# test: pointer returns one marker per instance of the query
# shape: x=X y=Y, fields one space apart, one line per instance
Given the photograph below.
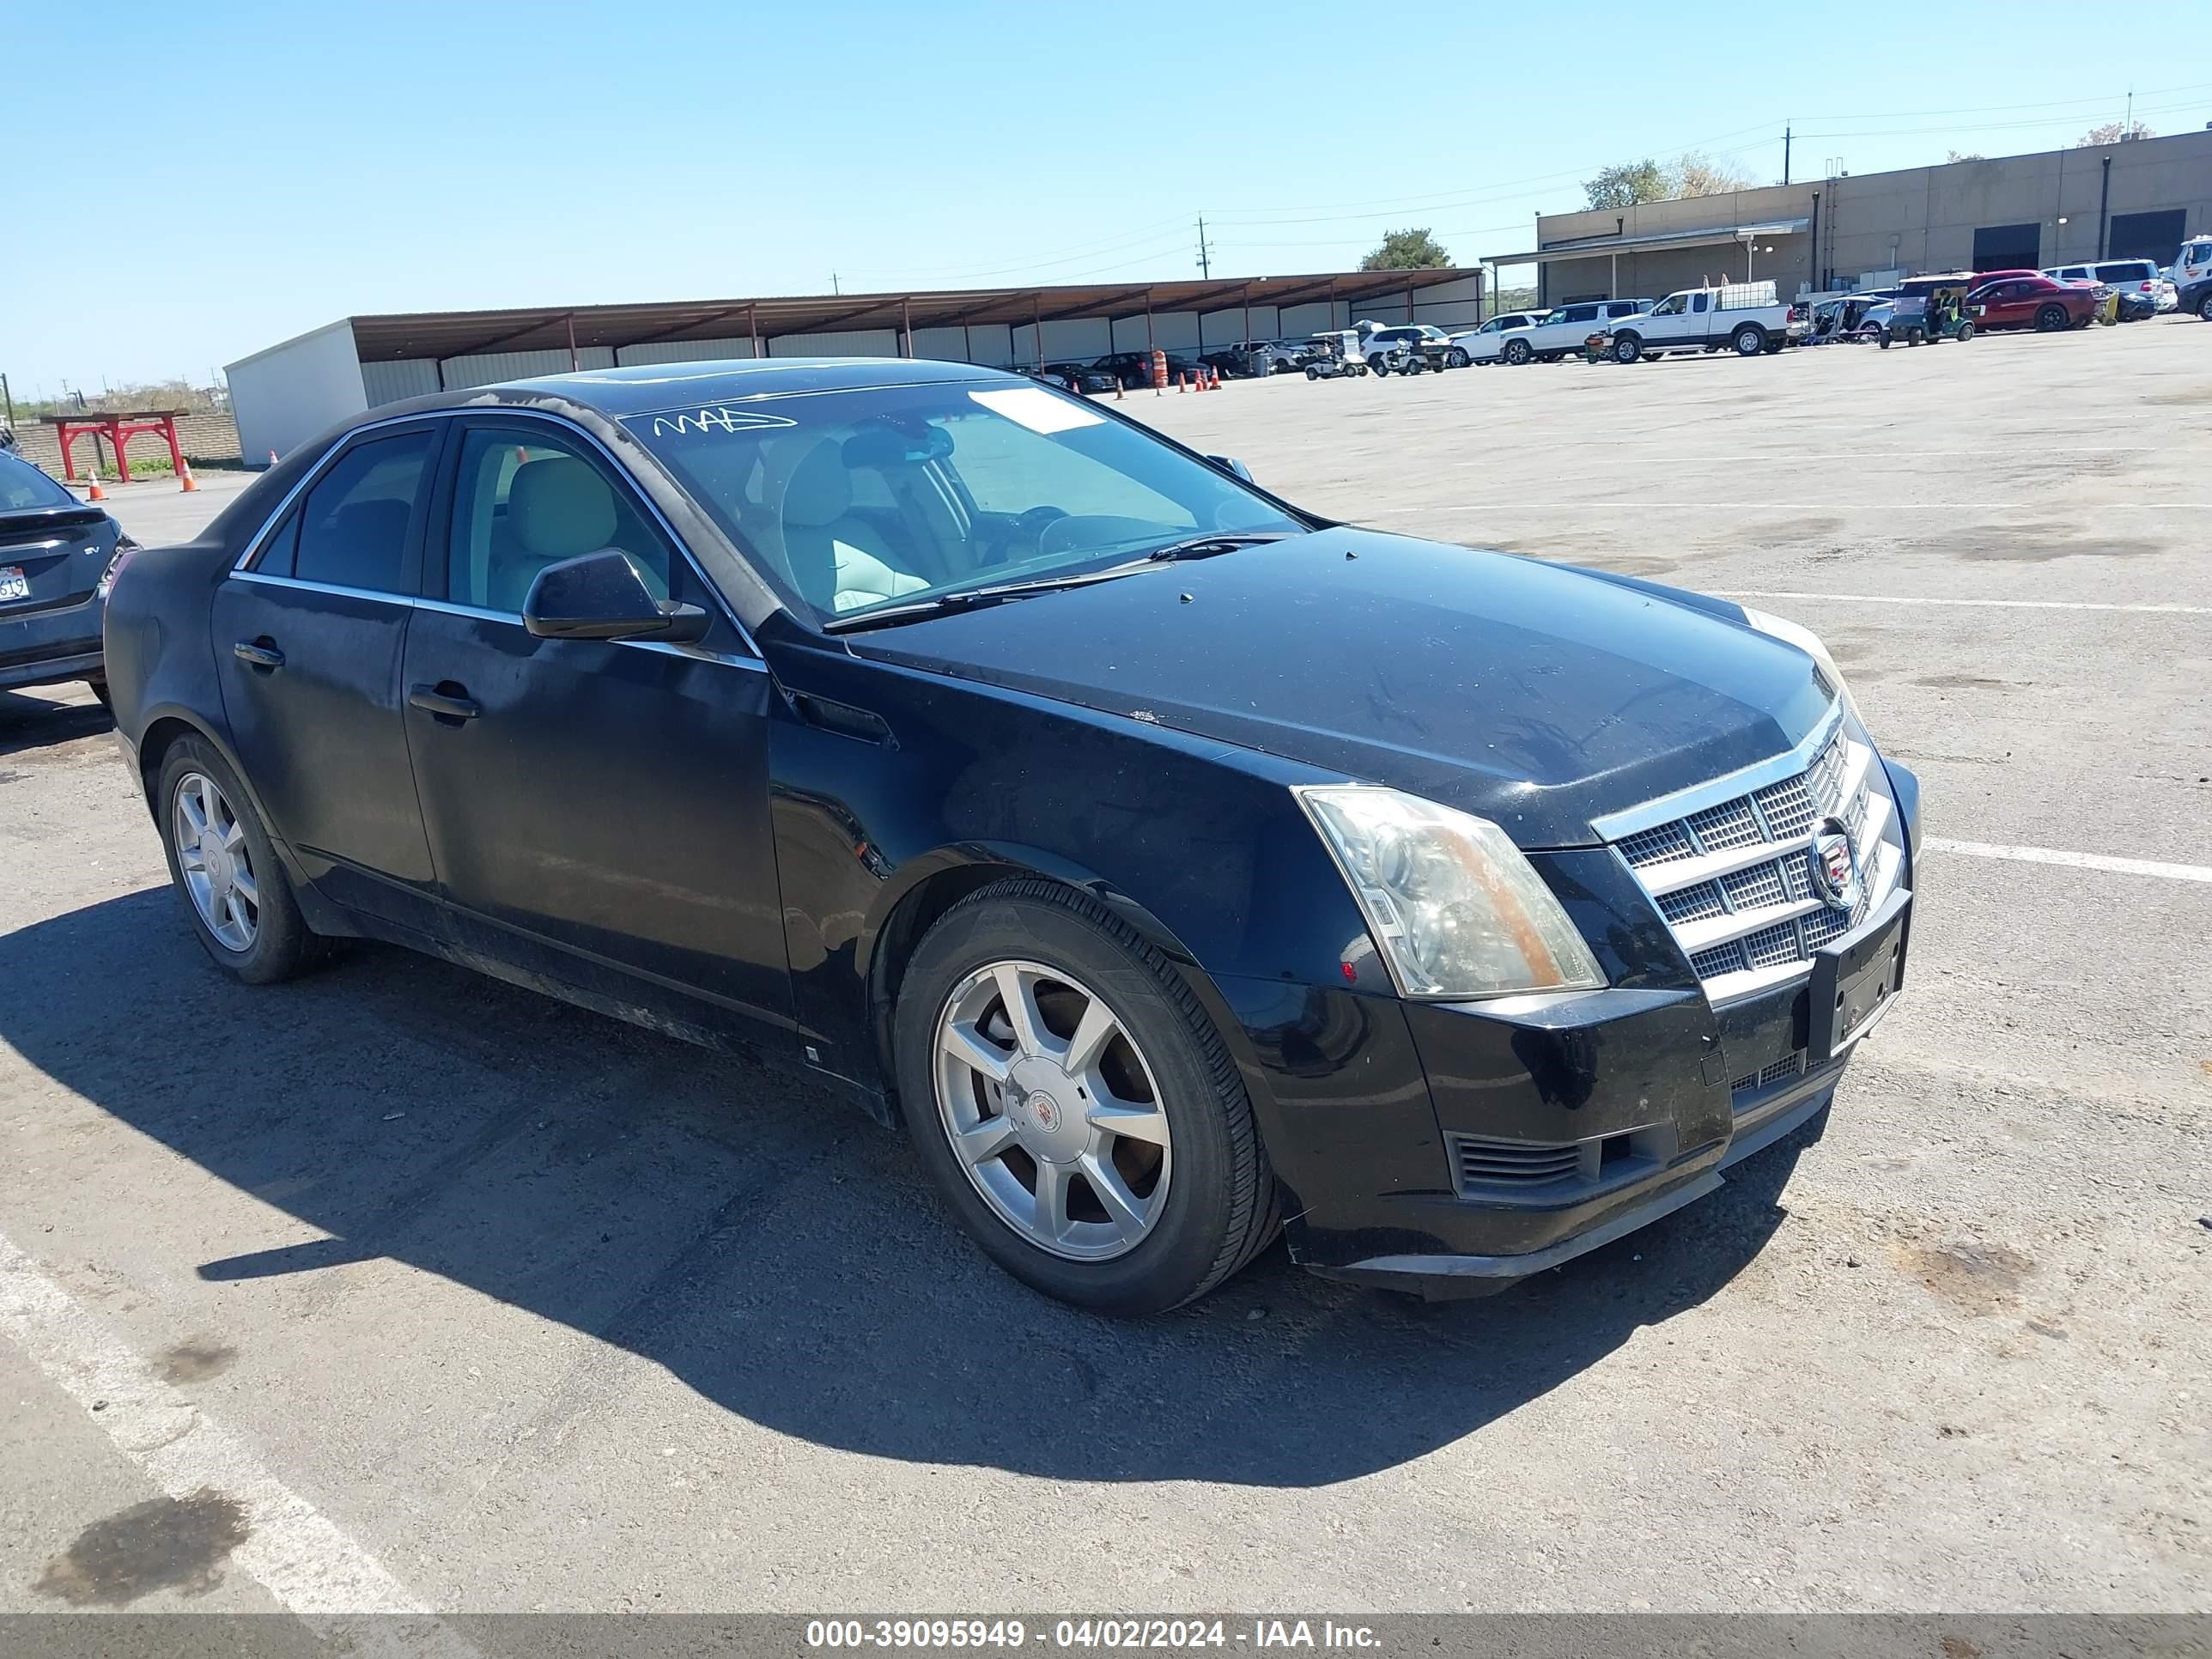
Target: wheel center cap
x=1047 y=1112
x=218 y=863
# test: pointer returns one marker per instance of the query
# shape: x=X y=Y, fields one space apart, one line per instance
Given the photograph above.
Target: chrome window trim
x=254 y=543
x=1619 y=826
x=477 y=613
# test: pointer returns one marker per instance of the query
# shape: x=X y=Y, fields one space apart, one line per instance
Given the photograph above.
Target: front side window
x=528 y=496
x=849 y=500
x=353 y=524
x=1671 y=306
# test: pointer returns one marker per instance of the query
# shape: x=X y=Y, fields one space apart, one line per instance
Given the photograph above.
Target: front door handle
x=445 y=701
x=260 y=655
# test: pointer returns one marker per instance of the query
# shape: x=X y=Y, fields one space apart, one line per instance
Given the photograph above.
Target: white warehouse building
x=284 y=395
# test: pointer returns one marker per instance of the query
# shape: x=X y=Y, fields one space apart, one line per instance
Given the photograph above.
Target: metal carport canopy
x=1590 y=248
x=444 y=334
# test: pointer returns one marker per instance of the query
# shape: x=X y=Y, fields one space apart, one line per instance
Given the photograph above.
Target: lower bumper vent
x=1756 y=1083
x=1485 y=1166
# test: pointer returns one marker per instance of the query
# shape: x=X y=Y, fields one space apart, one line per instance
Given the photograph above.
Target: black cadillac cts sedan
x=1176 y=866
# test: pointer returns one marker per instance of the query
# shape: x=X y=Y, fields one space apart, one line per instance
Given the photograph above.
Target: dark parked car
x=2035 y=301
x=1082 y=376
x=55 y=552
x=1174 y=865
x=1134 y=368
x=2196 y=299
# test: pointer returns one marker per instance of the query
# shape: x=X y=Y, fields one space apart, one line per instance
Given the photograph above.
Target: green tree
x=1627 y=183
x=1408 y=250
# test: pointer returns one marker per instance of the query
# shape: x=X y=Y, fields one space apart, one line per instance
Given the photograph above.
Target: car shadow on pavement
x=31 y=721
x=758 y=1238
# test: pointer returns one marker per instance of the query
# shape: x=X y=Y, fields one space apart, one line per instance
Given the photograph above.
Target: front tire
x=1075 y=1107
x=1626 y=349
x=1312 y=373
x=1456 y=358
x=234 y=890
x=2204 y=310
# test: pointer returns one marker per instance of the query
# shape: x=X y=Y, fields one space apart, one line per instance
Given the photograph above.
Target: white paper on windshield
x=1036 y=409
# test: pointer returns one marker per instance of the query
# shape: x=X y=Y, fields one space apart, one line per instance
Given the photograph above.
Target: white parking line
x=1982 y=849
x=296 y=1553
x=2003 y=605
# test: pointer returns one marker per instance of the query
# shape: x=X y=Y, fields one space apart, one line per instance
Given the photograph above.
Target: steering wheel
x=1029 y=527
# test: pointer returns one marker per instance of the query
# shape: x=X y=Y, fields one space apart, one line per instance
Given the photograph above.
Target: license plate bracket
x=14 y=584
x=1854 y=980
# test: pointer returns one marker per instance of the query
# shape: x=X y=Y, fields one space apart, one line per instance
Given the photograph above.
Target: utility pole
x=1786 y=136
x=1205 y=258
x=834 y=289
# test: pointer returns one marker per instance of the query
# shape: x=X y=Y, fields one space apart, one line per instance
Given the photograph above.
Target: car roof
x=643 y=388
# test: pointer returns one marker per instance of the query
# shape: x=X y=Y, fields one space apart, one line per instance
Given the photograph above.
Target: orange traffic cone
x=1182 y=383
x=1118 y=397
x=93 y=492
x=185 y=474
x=272 y=458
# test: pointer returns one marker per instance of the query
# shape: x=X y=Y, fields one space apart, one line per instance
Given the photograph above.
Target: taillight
x=106 y=583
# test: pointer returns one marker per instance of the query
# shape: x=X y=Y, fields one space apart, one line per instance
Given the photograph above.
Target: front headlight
x=1781 y=627
x=1457 y=910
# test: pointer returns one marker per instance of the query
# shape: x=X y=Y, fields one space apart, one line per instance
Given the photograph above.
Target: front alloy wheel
x=241 y=904
x=1053 y=1110
x=1074 y=1105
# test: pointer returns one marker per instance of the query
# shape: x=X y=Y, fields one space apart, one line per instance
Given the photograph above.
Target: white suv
x=1561 y=331
x=2193 y=264
x=2142 y=276
x=1414 y=337
x=1487 y=344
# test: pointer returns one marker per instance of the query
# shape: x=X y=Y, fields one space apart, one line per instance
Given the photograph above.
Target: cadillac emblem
x=1835 y=866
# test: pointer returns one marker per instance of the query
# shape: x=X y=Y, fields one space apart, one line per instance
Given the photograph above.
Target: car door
x=2003 y=304
x=597 y=810
x=308 y=635
x=1668 y=323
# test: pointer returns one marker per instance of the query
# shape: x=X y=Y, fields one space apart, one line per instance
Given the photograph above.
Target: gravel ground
x=530 y=1310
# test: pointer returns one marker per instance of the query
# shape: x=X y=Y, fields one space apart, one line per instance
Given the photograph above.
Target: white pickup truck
x=1746 y=318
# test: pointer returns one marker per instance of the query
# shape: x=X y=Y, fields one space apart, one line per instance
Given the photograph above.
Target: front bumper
x=59 y=643
x=1453 y=1149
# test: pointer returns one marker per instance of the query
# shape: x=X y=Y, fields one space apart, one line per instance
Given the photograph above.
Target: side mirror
x=600 y=596
x=1230 y=463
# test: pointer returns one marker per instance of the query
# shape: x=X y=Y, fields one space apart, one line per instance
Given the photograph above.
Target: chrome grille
x=1734 y=881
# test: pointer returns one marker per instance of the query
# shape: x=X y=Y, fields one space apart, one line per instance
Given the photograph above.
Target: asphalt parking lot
x=453 y=1297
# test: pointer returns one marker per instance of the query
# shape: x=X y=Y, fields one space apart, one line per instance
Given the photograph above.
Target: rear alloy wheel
x=1074 y=1105
x=2052 y=319
x=234 y=890
x=1517 y=352
x=1749 y=340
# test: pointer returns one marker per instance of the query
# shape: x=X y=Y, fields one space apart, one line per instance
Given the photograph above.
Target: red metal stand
x=119 y=426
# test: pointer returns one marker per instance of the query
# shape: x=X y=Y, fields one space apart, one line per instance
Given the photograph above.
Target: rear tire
x=1965 y=333
x=1749 y=341
x=257 y=939
x=1312 y=373
x=1210 y=1206
x=2051 y=320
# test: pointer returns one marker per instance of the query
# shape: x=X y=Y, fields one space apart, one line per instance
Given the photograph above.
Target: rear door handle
x=445 y=701
x=261 y=656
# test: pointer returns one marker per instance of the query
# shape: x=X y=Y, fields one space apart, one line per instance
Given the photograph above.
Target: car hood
x=1535 y=695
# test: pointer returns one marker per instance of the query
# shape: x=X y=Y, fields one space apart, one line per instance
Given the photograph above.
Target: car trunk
x=49 y=546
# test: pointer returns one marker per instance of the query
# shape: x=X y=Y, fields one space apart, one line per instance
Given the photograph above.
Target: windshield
x=22 y=485
x=850 y=500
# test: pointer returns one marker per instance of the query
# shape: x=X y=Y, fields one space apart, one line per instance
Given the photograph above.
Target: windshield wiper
x=967 y=598
x=1205 y=547
x=1195 y=547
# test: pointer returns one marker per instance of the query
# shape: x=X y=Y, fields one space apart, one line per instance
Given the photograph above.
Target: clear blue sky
x=236 y=173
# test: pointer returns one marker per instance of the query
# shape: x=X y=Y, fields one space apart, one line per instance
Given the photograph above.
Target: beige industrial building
x=2135 y=200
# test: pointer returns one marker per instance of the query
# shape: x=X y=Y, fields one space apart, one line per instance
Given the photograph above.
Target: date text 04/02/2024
x=1143 y=1634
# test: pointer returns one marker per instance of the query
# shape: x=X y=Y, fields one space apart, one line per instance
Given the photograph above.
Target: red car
x=2030 y=300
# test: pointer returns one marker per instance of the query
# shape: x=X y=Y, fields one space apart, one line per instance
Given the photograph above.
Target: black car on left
x=1176 y=866
x=57 y=554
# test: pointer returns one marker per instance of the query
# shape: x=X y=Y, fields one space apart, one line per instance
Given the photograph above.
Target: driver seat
x=839 y=562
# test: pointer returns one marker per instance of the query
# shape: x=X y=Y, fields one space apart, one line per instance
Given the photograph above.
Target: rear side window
x=352 y=526
x=23 y=485
x=2127 y=270
x=1581 y=314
